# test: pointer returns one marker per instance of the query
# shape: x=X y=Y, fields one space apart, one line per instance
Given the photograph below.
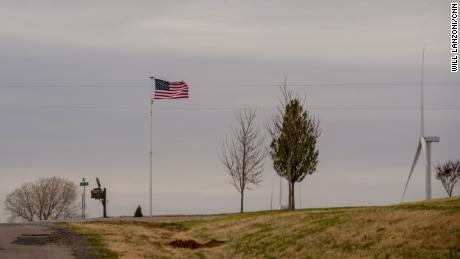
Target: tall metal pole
x=422 y=121
x=300 y=195
x=422 y=131
x=84 y=200
x=152 y=79
x=82 y=204
x=281 y=189
x=271 y=197
x=428 y=171
x=279 y=201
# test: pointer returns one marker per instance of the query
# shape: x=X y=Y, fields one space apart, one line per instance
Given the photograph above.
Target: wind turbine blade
x=417 y=154
x=423 y=143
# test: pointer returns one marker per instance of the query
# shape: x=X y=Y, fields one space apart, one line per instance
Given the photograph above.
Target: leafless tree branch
x=47 y=198
x=243 y=155
x=448 y=173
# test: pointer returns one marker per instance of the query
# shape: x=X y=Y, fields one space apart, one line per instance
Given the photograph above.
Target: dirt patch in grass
x=36 y=239
x=405 y=231
x=193 y=244
x=146 y=240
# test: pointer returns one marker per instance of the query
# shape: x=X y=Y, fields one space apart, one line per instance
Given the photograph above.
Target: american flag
x=170 y=90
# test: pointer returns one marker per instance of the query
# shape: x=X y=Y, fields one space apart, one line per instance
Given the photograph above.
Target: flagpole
x=152 y=79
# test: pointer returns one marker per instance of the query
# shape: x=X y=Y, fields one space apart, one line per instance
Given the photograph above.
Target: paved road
x=41 y=240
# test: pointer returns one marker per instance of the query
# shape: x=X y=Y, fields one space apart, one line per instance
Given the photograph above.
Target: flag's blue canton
x=161 y=85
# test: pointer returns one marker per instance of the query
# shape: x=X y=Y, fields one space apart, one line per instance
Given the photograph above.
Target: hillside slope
x=421 y=230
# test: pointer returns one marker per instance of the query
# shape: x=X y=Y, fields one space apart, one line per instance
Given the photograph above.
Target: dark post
x=104 y=203
x=100 y=194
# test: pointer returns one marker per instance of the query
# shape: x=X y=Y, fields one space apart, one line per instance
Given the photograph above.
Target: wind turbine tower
x=423 y=145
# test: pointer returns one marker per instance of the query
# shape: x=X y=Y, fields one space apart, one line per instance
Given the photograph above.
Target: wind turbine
x=423 y=145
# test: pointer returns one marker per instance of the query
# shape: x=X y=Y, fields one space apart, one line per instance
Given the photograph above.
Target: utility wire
x=236 y=85
x=89 y=107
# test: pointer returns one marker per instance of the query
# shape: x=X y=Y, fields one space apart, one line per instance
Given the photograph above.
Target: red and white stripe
x=177 y=90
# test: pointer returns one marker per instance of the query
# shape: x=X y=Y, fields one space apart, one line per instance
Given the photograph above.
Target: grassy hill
x=413 y=230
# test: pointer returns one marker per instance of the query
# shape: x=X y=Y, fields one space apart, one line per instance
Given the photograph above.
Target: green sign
x=84 y=183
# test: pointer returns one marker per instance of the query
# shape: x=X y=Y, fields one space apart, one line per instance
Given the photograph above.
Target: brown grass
x=419 y=230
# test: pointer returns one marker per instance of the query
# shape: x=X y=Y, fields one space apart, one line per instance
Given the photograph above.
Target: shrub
x=138 y=213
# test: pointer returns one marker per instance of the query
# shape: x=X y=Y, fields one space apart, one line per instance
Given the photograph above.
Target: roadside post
x=100 y=194
x=83 y=183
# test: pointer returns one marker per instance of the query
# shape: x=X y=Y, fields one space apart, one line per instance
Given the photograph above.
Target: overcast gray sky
x=358 y=63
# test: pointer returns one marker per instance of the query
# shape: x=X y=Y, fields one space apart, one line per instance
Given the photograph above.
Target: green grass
x=411 y=230
x=96 y=241
x=178 y=226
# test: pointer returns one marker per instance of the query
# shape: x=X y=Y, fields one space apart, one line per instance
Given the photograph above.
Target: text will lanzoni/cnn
x=454 y=37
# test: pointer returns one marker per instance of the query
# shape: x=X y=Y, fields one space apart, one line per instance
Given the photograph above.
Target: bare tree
x=47 y=198
x=294 y=135
x=243 y=155
x=448 y=173
x=20 y=203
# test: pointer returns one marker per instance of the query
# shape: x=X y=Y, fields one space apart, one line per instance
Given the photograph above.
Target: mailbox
x=97 y=193
x=100 y=194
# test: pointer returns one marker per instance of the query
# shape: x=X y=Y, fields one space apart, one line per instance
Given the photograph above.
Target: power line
x=109 y=107
x=236 y=85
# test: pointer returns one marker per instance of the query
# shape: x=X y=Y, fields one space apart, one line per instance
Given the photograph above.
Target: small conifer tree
x=138 y=213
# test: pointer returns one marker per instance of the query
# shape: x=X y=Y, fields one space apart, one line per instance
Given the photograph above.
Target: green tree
x=138 y=212
x=294 y=135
